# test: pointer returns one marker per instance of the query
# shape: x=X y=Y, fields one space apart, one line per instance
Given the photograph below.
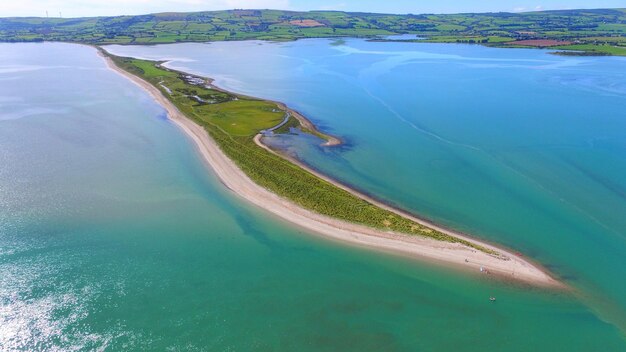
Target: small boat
x=492 y=299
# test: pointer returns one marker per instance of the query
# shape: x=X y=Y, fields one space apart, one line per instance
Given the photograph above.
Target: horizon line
x=343 y=11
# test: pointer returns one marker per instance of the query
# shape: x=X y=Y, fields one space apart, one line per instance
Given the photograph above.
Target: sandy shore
x=512 y=268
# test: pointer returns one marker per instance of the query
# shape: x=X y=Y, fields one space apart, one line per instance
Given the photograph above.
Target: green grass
x=233 y=121
x=450 y=27
x=242 y=117
x=591 y=48
x=606 y=40
x=149 y=71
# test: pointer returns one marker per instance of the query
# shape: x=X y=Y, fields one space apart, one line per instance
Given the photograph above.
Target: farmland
x=591 y=31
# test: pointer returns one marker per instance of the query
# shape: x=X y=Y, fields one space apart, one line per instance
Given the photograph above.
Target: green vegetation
x=591 y=49
x=598 y=31
x=233 y=121
x=466 y=39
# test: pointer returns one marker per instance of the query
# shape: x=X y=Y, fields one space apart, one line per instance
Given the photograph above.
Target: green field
x=596 y=48
x=233 y=121
x=577 y=26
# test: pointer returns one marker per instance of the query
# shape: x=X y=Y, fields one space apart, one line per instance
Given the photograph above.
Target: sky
x=80 y=8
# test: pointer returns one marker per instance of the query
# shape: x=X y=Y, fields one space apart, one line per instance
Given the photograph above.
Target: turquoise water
x=516 y=146
x=113 y=235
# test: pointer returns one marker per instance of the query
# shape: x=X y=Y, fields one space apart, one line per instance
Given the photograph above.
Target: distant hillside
x=599 y=31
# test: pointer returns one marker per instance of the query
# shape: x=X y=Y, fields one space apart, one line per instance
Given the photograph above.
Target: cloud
x=522 y=9
x=77 y=8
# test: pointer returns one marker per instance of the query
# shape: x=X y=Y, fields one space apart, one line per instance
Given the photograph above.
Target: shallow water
x=113 y=234
x=519 y=147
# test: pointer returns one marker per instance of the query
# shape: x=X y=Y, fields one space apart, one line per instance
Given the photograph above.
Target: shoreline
x=512 y=268
x=331 y=141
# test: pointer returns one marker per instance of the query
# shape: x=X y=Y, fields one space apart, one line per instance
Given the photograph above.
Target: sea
x=116 y=236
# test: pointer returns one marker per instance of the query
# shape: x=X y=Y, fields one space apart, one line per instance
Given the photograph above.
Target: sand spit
x=508 y=266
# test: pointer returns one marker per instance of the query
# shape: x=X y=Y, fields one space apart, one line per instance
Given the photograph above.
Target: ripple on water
x=33 y=315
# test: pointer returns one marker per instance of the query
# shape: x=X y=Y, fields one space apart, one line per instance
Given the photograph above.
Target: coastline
x=331 y=141
x=446 y=253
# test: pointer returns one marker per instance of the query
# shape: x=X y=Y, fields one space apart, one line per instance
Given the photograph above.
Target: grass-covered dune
x=234 y=120
x=599 y=31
